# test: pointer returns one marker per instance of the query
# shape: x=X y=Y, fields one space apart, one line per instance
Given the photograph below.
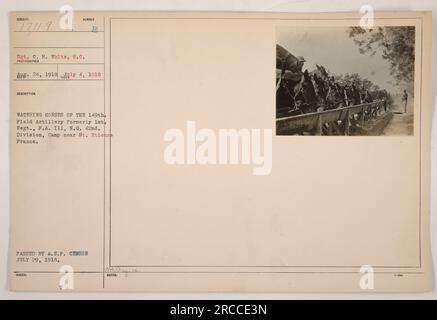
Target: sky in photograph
x=332 y=48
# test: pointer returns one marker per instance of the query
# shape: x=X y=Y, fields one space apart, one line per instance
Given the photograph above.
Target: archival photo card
x=220 y=151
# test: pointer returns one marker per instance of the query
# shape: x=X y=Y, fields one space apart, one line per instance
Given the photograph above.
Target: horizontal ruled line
x=59 y=80
x=247 y=266
x=69 y=31
x=203 y=272
x=55 y=63
x=58 y=47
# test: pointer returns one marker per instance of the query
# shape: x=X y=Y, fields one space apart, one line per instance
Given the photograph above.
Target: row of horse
x=313 y=93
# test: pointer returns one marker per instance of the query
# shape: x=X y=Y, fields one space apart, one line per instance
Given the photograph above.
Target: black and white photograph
x=345 y=81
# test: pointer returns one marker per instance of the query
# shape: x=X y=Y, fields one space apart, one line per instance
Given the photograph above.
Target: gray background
x=199 y=5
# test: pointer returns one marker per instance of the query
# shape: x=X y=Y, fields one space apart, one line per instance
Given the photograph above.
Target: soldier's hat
x=301 y=59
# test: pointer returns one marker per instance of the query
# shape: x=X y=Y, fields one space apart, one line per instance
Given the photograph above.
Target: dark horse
x=285 y=99
x=296 y=97
x=307 y=94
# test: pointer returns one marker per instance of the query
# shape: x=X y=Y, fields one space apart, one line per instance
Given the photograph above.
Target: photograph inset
x=345 y=81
